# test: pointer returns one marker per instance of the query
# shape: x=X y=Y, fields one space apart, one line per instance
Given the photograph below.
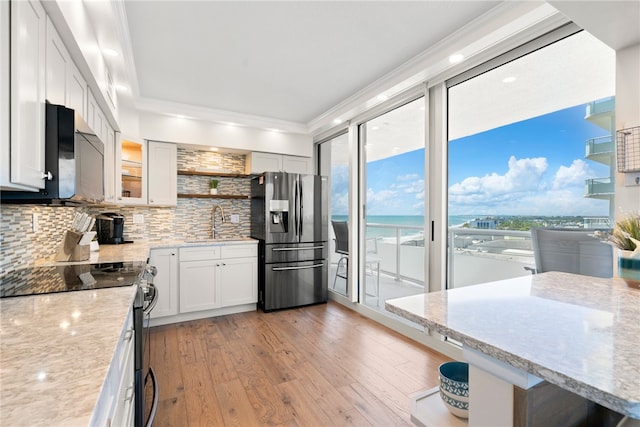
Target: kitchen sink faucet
x=214 y=231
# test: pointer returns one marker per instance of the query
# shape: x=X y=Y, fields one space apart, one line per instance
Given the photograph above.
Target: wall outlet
x=138 y=218
x=235 y=218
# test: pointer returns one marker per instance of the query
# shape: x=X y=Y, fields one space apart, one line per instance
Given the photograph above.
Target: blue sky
x=533 y=167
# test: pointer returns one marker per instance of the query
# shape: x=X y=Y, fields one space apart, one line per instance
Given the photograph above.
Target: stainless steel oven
x=146 y=384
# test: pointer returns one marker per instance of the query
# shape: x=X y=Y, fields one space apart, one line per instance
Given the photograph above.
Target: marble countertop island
x=578 y=332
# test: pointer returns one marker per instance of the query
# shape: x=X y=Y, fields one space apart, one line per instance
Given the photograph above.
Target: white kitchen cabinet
x=166 y=281
x=131 y=171
x=57 y=67
x=268 y=162
x=198 y=289
x=295 y=164
x=5 y=53
x=163 y=174
x=217 y=277
x=109 y=166
x=115 y=405
x=76 y=91
x=28 y=55
x=238 y=279
x=92 y=109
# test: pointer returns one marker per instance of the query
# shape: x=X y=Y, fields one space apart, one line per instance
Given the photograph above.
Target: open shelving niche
x=212 y=174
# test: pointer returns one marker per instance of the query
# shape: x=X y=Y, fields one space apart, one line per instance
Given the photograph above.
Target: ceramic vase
x=629 y=267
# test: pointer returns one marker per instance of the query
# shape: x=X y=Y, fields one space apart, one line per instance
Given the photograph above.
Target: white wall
x=627 y=199
x=159 y=127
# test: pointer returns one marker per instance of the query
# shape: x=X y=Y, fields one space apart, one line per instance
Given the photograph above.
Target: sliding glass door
x=334 y=163
x=392 y=161
x=530 y=144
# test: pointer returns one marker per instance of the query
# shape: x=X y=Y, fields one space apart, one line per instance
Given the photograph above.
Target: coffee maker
x=110 y=228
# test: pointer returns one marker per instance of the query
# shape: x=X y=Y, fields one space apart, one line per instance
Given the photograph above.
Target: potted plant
x=626 y=237
x=213 y=187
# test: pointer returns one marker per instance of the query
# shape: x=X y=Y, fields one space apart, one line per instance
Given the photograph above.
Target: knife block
x=70 y=249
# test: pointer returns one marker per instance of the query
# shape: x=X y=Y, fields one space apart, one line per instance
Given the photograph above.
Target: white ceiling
x=289 y=61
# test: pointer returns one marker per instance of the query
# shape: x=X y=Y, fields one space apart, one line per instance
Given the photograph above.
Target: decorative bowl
x=454 y=387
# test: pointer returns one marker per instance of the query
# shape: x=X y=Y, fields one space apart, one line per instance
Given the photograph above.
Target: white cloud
x=572 y=175
x=523 y=175
x=525 y=190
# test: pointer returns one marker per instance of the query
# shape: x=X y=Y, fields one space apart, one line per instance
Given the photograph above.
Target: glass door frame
x=358 y=207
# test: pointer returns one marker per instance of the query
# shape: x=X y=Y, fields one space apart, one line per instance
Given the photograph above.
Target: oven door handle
x=154 y=407
x=154 y=299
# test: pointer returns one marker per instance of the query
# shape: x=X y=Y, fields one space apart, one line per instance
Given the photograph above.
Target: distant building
x=485 y=223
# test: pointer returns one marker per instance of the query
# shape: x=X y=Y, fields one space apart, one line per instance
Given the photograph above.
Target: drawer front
x=126 y=342
x=239 y=251
x=200 y=253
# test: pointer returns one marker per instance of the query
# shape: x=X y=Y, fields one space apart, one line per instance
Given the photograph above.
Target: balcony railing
x=598 y=187
x=602 y=147
x=600 y=106
x=475 y=255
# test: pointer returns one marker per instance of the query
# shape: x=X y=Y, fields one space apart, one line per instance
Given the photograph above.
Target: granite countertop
x=55 y=351
x=578 y=332
x=139 y=251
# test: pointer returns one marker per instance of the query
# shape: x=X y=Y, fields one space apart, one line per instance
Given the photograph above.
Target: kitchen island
x=577 y=332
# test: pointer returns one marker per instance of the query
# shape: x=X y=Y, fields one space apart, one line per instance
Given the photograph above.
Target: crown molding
x=218 y=116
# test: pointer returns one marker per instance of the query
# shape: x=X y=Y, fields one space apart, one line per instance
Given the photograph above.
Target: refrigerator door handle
x=301 y=206
x=298 y=268
x=298 y=249
x=295 y=207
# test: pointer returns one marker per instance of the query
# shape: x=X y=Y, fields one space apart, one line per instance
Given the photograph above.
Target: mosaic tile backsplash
x=191 y=219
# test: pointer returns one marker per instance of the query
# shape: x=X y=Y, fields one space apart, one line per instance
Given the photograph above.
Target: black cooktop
x=67 y=278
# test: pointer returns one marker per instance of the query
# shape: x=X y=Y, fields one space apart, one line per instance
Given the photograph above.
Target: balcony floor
x=390 y=288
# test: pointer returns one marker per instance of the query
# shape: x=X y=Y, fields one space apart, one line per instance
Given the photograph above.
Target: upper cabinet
x=27 y=93
x=146 y=172
x=131 y=171
x=109 y=166
x=64 y=82
x=57 y=61
x=163 y=178
x=266 y=162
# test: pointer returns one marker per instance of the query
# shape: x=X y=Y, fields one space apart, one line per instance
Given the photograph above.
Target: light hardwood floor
x=323 y=365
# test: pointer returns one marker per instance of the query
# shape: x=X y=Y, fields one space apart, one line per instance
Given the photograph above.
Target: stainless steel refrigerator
x=289 y=218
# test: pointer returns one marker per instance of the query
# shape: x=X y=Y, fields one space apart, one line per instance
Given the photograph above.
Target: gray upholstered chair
x=571 y=251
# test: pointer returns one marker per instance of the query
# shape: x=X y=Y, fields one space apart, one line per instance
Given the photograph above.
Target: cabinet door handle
x=151 y=201
x=47 y=175
x=128 y=335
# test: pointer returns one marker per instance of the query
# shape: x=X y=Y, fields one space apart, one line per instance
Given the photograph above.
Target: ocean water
x=402 y=220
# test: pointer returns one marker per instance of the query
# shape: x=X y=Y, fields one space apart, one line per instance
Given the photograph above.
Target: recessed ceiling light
x=122 y=88
x=180 y=116
x=231 y=124
x=274 y=130
x=337 y=121
x=375 y=127
x=382 y=97
x=110 y=52
x=509 y=79
x=456 y=58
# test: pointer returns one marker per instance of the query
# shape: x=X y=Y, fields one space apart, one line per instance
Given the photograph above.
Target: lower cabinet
x=166 y=281
x=239 y=281
x=196 y=279
x=198 y=289
x=115 y=405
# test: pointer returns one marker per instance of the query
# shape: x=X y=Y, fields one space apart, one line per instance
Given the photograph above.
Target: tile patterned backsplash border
x=190 y=219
